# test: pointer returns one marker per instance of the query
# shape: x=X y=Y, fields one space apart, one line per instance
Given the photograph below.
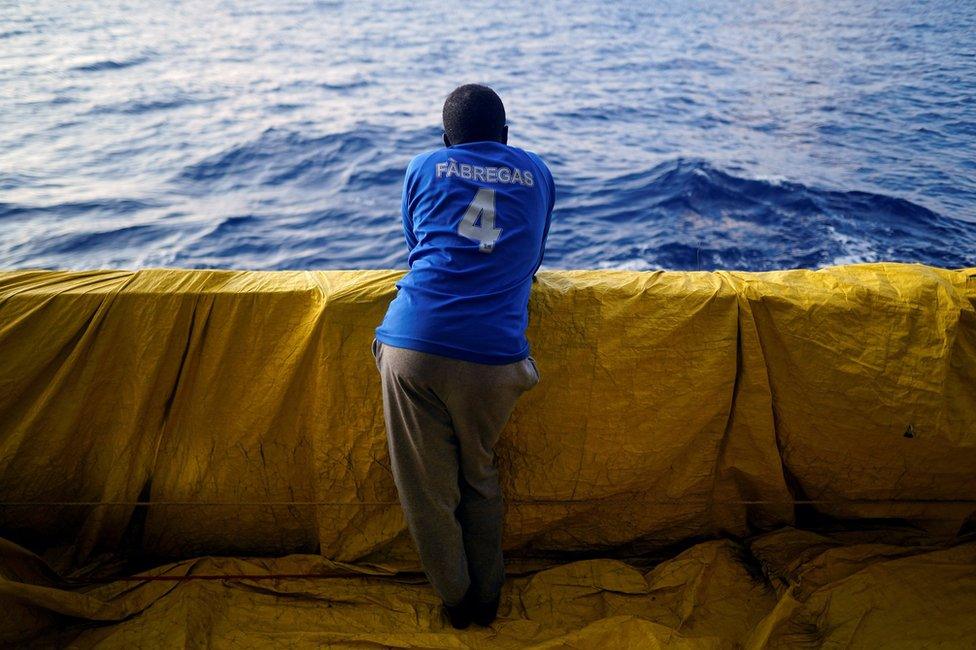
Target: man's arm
x=406 y=214
x=545 y=232
x=405 y=207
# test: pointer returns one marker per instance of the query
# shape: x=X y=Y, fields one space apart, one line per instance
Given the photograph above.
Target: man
x=452 y=352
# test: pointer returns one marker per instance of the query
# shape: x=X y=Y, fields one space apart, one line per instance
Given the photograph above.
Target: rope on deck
x=677 y=502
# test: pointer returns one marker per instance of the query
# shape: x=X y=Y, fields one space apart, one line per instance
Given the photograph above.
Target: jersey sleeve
x=405 y=200
x=551 y=191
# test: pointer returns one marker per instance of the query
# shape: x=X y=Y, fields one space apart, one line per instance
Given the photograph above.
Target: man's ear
x=447 y=141
x=505 y=134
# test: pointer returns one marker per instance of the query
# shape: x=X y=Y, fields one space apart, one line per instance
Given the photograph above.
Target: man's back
x=476 y=217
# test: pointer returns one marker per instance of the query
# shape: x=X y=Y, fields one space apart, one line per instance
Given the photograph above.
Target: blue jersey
x=476 y=217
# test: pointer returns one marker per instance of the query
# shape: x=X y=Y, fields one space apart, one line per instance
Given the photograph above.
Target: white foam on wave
x=856 y=249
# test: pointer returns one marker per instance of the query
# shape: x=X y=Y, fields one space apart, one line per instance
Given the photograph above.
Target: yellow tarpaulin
x=673 y=407
x=805 y=590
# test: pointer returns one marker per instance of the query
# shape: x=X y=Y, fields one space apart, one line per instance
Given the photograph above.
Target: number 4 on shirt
x=478 y=222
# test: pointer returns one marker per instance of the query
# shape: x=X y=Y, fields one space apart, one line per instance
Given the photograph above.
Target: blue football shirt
x=476 y=217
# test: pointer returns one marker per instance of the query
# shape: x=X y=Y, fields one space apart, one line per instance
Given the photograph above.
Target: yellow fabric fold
x=238 y=413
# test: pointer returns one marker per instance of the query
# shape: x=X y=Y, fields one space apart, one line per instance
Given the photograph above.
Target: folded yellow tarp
x=673 y=406
x=784 y=589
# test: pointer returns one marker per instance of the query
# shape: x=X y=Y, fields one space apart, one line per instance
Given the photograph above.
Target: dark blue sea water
x=682 y=135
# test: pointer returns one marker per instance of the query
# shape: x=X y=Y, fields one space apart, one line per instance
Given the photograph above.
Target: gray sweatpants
x=443 y=417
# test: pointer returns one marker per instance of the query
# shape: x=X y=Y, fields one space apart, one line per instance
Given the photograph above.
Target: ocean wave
x=358 y=82
x=137 y=107
x=11 y=181
x=95 y=240
x=281 y=156
x=71 y=209
x=681 y=214
x=277 y=138
x=110 y=64
x=689 y=214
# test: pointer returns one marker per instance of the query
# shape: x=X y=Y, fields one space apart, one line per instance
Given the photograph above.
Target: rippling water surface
x=274 y=135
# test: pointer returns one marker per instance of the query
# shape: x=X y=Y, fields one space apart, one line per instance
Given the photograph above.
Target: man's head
x=473 y=112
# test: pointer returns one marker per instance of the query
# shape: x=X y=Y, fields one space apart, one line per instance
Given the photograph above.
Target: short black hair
x=473 y=112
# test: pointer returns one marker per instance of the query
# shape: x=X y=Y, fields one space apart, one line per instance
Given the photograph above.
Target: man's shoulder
x=535 y=158
x=542 y=164
x=418 y=161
